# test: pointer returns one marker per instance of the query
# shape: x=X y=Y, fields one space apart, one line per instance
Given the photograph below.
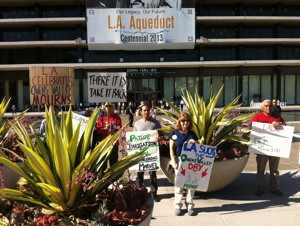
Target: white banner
x=196 y=162
x=76 y=119
x=149 y=28
x=107 y=87
x=270 y=141
x=144 y=139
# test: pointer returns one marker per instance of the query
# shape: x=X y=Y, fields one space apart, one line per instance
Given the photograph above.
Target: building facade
x=252 y=47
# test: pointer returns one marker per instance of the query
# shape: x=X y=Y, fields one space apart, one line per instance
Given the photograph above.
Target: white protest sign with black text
x=196 y=162
x=137 y=141
x=266 y=140
x=106 y=87
x=76 y=118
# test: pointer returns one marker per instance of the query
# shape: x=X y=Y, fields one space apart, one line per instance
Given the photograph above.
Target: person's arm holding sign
x=172 y=154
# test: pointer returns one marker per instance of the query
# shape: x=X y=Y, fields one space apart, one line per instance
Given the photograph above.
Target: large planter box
x=223 y=172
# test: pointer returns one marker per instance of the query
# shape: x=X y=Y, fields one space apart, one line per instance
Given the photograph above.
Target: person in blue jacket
x=182 y=133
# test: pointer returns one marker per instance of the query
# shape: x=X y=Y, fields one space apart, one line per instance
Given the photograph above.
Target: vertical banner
x=196 y=162
x=144 y=139
x=140 y=24
x=76 y=118
x=51 y=85
x=107 y=87
x=266 y=140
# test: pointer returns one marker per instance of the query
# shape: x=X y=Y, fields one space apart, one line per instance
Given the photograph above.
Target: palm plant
x=64 y=173
x=4 y=128
x=212 y=129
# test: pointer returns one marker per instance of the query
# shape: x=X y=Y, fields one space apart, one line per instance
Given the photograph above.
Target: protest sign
x=51 y=85
x=107 y=87
x=196 y=162
x=266 y=140
x=76 y=118
x=144 y=139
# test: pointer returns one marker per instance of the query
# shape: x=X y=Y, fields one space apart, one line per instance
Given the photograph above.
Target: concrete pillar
x=20 y=92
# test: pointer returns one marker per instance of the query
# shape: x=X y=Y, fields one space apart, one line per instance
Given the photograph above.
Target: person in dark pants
x=109 y=124
x=131 y=112
x=144 y=124
x=267 y=116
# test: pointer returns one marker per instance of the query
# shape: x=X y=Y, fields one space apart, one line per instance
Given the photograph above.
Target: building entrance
x=143 y=89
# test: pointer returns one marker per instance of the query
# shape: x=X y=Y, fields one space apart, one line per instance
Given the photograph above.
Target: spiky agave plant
x=56 y=170
x=212 y=128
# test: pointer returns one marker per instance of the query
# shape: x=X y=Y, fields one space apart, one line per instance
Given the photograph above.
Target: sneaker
x=191 y=212
x=277 y=192
x=177 y=211
x=259 y=192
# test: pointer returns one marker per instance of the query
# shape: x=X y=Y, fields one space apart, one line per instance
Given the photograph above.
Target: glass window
x=254 y=88
x=289 y=53
x=258 y=53
x=291 y=10
x=23 y=56
x=258 y=32
x=245 y=89
x=169 y=88
x=59 y=56
x=298 y=90
x=274 y=86
x=289 y=32
x=61 y=11
x=219 y=32
x=217 y=82
x=230 y=91
x=266 y=87
x=252 y=10
x=206 y=87
x=61 y=33
x=17 y=12
x=180 y=83
x=219 y=10
x=193 y=83
x=290 y=89
x=18 y=34
x=219 y=54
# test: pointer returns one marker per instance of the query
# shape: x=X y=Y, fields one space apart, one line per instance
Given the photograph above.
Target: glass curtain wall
x=298 y=90
x=230 y=89
x=290 y=89
x=169 y=88
x=266 y=87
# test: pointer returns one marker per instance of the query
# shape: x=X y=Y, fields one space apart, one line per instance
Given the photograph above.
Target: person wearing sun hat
x=108 y=124
x=182 y=133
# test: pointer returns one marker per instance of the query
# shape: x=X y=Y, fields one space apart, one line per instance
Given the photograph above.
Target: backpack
x=127 y=111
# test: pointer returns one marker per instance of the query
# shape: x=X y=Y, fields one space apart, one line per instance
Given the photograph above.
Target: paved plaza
x=236 y=205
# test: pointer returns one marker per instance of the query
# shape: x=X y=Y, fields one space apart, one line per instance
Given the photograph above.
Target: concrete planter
x=147 y=220
x=10 y=177
x=223 y=172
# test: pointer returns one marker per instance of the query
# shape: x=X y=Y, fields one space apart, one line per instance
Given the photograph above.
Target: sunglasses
x=108 y=106
x=183 y=121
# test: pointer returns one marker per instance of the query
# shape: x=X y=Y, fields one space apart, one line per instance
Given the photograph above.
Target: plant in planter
x=223 y=129
x=127 y=203
x=64 y=175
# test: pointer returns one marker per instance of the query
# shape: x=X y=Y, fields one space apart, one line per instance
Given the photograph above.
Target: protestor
x=43 y=123
x=144 y=124
x=182 y=133
x=107 y=124
x=131 y=112
x=267 y=116
x=276 y=108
